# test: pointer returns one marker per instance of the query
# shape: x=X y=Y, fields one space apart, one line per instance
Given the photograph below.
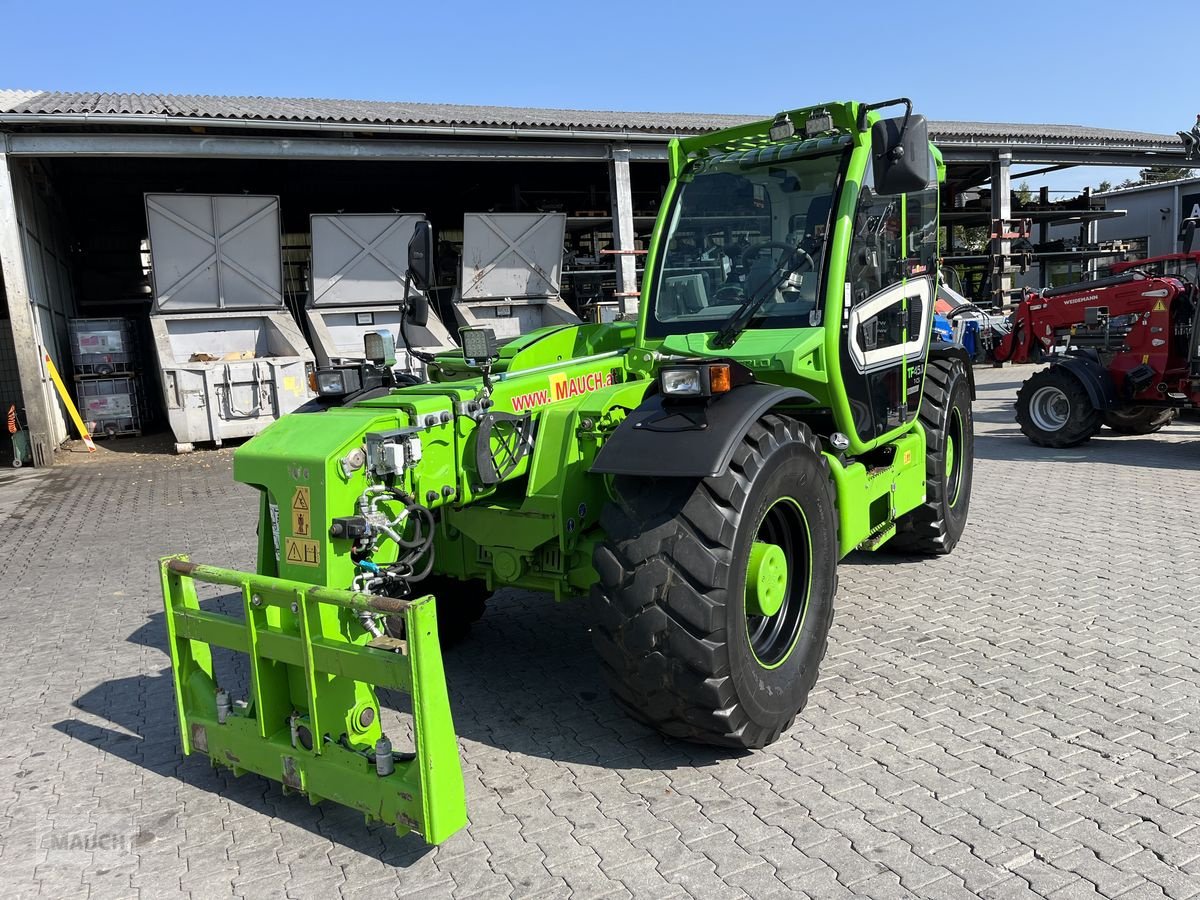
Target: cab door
x=888 y=308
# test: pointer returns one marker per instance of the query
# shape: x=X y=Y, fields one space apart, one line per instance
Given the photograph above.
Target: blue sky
x=1095 y=64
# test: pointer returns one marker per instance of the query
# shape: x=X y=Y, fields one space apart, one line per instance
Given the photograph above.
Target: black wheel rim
x=954 y=457
x=773 y=638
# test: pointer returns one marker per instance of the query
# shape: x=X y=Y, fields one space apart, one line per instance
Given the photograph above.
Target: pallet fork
x=311 y=721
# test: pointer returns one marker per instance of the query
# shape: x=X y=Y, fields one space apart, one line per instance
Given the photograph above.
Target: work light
x=479 y=345
x=380 y=348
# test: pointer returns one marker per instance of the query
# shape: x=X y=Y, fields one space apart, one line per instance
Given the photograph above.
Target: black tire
x=1139 y=419
x=936 y=525
x=460 y=604
x=1054 y=410
x=676 y=642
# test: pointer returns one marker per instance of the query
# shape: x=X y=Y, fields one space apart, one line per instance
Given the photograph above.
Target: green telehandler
x=696 y=474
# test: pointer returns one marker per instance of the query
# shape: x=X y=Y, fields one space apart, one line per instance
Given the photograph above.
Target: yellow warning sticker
x=1160 y=306
x=907 y=457
x=1146 y=359
x=301 y=552
x=302 y=512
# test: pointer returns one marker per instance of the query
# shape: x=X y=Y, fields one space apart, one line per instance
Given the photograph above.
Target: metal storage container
x=359 y=263
x=102 y=347
x=109 y=406
x=231 y=357
x=231 y=375
x=511 y=272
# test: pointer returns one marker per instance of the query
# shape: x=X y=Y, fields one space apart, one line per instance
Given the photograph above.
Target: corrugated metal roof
x=1169 y=184
x=947 y=132
x=12 y=99
x=444 y=115
x=367 y=112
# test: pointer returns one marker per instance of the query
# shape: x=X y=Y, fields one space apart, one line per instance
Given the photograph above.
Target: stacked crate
x=106 y=362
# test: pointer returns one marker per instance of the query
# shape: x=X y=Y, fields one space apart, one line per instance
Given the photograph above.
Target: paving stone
x=1015 y=719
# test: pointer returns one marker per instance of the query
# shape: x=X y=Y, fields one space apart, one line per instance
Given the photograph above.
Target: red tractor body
x=1132 y=358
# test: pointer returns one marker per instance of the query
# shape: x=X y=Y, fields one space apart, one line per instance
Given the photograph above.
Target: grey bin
x=359 y=263
x=229 y=375
x=511 y=273
x=231 y=357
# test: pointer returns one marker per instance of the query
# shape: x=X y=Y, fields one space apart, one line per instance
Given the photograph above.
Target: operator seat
x=816 y=217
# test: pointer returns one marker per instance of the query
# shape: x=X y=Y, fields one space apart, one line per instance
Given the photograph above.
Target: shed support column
x=1044 y=238
x=22 y=317
x=621 y=194
x=1001 y=248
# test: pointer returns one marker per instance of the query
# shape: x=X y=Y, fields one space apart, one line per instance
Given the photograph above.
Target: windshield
x=737 y=230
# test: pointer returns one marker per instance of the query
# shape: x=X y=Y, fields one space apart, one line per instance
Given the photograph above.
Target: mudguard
x=689 y=440
x=950 y=350
x=1094 y=378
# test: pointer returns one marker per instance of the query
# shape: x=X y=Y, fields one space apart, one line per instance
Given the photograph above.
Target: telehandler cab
x=699 y=473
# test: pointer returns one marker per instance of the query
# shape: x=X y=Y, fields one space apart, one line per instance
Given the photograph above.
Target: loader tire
x=1054 y=410
x=935 y=526
x=1139 y=419
x=460 y=604
x=685 y=646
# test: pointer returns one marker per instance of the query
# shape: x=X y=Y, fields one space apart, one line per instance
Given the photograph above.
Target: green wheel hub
x=766 y=579
x=778 y=581
x=954 y=437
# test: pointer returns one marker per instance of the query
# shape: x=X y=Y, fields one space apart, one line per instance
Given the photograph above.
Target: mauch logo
x=562 y=388
x=93 y=842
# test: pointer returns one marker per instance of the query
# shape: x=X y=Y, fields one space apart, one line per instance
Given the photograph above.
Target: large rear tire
x=1139 y=419
x=936 y=526
x=1054 y=409
x=686 y=646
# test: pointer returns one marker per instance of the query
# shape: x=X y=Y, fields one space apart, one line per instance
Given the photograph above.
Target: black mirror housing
x=418 y=310
x=900 y=152
x=420 y=256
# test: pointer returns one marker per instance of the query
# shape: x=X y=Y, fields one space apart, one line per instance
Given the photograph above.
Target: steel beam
x=367 y=149
x=1001 y=248
x=1062 y=156
x=23 y=320
x=621 y=194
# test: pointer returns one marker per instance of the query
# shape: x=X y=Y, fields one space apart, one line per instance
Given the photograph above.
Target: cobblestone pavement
x=1016 y=720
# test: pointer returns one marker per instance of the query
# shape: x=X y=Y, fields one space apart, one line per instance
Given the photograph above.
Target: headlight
x=337 y=382
x=682 y=381
x=696 y=381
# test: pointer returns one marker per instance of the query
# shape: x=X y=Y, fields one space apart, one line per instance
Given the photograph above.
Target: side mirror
x=420 y=255
x=901 y=157
x=418 y=310
x=420 y=272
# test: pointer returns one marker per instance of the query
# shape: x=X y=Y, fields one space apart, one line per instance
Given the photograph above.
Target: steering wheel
x=754 y=249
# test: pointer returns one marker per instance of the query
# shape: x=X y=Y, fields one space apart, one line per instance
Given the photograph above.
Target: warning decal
x=1160 y=306
x=301 y=513
x=301 y=552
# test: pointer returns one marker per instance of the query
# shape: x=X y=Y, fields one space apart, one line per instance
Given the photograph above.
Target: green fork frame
x=311 y=721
